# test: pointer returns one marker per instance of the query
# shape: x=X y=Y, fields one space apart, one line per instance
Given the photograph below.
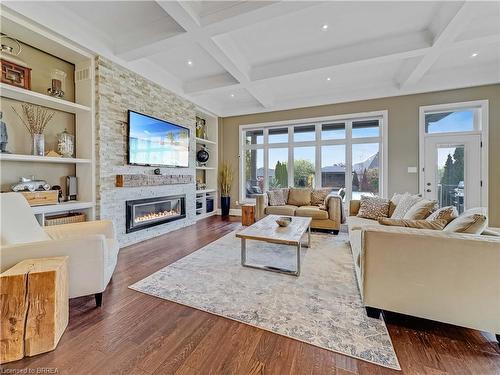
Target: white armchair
x=91 y=246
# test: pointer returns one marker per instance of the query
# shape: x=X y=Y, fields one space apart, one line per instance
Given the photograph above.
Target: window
x=304 y=171
x=345 y=155
x=450 y=122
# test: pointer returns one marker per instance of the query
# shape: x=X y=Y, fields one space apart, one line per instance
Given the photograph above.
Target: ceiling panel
x=176 y=60
x=122 y=19
x=348 y=23
x=464 y=57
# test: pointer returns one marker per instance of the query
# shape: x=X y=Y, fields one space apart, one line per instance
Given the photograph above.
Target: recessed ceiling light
x=328 y=79
x=474 y=54
x=324 y=27
x=232 y=95
x=189 y=62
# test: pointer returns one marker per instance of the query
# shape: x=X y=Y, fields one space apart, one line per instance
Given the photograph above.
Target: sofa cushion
x=318 y=196
x=418 y=224
x=356 y=223
x=277 y=197
x=420 y=210
x=470 y=221
x=281 y=210
x=447 y=213
x=311 y=211
x=299 y=197
x=373 y=207
x=405 y=203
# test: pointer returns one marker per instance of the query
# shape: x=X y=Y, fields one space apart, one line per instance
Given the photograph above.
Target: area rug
x=321 y=307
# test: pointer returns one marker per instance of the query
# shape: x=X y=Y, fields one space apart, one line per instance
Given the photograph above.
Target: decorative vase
x=38 y=146
x=225 y=203
x=65 y=144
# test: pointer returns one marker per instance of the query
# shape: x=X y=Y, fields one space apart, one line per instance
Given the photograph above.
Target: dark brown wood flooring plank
x=134 y=333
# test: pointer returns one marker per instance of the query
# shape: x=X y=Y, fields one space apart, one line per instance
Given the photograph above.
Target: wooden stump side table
x=248 y=214
x=35 y=307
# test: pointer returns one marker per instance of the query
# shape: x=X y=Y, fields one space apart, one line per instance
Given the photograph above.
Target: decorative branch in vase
x=225 y=182
x=35 y=119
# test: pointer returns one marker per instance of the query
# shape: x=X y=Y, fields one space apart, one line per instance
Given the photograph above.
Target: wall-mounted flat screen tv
x=155 y=142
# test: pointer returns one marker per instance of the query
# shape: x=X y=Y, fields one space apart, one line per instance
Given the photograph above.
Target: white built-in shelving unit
x=37 y=36
x=208 y=172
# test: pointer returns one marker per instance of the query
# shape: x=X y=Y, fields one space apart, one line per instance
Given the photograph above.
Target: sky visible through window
x=458 y=121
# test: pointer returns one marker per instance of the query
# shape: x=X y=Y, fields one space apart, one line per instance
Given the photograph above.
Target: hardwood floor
x=133 y=333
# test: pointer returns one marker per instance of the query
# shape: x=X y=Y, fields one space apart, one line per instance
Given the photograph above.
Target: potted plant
x=225 y=183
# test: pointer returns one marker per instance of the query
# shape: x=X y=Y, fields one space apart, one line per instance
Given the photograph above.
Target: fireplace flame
x=155 y=215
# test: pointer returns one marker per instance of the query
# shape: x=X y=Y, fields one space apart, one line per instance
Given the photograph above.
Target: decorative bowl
x=284 y=221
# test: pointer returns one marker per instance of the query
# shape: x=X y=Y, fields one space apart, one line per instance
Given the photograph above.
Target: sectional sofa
x=447 y=277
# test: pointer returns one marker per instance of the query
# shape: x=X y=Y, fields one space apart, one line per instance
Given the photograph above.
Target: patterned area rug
x=321 y=307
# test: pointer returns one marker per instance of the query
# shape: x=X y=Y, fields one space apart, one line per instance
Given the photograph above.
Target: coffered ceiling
x=237 y=57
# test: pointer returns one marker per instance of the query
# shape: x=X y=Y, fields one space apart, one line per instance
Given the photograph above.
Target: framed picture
x=16 y=75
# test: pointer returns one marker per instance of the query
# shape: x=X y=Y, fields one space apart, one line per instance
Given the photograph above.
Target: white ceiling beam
x=442 y=40
x=384 y=49
x=216 y=25
x=184 y=18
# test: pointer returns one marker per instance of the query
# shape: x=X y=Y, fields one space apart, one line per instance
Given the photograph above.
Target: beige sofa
x=329 y=219
x=447 y=277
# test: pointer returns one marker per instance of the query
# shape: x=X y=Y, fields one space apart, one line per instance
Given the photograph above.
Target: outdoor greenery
x=281 y=175
x=453 y=171
x=303 y=173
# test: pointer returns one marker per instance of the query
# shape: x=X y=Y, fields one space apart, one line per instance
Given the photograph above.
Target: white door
x=452 y=170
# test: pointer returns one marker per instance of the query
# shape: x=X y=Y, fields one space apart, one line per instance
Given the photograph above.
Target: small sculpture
x=4 y=136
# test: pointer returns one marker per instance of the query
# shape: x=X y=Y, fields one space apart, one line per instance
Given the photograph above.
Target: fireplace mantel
x=142 y=179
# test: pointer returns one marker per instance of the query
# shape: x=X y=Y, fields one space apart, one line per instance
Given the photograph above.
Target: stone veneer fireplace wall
x=118 y=90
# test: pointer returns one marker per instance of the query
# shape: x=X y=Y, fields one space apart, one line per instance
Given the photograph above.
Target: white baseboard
x=232 y=211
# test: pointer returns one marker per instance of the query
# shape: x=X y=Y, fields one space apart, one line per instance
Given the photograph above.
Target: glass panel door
x=452 y=172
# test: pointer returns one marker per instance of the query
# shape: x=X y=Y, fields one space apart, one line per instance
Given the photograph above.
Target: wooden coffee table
x=268 y=230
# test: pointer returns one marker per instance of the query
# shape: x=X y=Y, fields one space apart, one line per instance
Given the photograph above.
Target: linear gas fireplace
x=145 y=213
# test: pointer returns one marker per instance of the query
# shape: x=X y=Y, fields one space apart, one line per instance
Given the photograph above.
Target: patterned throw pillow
x=276 y=197
x=470 y=221
x=418 y=224
x=447 y=213
x=318 y=196
x=373 y=207
x=394 y=202
x=420 y=210
x=407 y=201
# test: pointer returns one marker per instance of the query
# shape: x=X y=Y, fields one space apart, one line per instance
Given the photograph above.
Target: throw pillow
x=447 y=213
x=469 y=222
x=276 y=197
x=405 y=203
x=419 y=224
x=318 y=196
x=373 y=207
x=299 y=197
x=420 y=210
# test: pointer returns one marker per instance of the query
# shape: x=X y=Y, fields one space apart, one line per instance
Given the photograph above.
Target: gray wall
x=403 y=114
x=118 y=90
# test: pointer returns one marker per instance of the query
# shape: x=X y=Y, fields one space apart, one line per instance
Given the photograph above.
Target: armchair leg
x=373 y=312
x=98 y=299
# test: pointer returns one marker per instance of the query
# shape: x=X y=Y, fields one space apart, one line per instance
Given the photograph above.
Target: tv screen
x=156 y=142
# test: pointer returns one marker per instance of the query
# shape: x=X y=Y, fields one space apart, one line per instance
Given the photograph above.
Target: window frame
x=348 y=141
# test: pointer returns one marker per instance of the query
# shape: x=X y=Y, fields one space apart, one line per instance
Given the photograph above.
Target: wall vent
x=82 y=74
